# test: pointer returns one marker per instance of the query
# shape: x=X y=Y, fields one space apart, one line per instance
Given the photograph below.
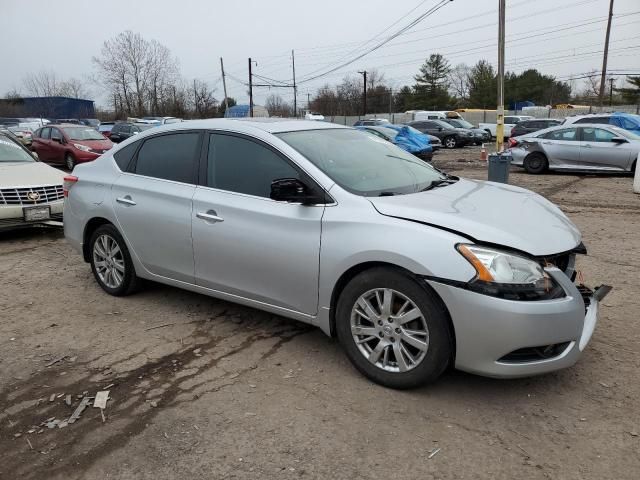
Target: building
x=47 y=107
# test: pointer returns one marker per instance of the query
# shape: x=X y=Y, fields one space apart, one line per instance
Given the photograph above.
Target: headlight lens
x=84 y=148
x=507 y=275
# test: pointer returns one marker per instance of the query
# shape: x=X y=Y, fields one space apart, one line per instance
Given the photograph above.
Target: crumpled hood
x=488 y=212
x=27 y=174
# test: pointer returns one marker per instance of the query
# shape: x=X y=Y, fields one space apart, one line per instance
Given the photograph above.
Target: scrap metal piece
x=78 y=411
x=101 y=399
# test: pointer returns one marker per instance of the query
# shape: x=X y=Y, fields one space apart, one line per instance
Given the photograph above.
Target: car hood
x=27 y=174
x=95 y=144
x=488 y=212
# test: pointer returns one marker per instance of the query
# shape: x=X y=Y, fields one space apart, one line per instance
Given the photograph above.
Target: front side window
x=596 y=135
x=566 y=134
x=169 y=157
x=45 y=133
x=55 y=134
x=240 y=165
x=362 y=164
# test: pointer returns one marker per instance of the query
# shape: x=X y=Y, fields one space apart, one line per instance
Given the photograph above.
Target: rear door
x=562 y=147
x=598 y=151
x=153 y=202
x=247 y=244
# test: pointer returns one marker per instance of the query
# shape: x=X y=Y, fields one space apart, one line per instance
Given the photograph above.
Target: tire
x=450 y=142
x=536 y=163
x=435 y=341
x=69 y=162
x=124 y=281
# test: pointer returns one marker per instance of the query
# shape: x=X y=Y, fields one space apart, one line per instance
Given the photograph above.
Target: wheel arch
x=355 y=270
x=89 y=228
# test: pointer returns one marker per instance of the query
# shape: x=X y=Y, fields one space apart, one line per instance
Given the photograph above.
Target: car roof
x=270 y=125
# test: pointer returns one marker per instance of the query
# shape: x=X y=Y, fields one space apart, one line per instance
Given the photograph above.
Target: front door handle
x=125 y=200
x=210 y=216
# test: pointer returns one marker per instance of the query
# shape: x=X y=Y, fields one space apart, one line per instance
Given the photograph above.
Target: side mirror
x=294 y=191
x=440 y=129
x=619 y=140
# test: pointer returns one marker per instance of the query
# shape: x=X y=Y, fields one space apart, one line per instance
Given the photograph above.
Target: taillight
x=69 y=181
x=513 y=142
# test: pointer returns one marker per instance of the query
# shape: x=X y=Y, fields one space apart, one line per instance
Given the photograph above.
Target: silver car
x=413 y=270
x=584 y=147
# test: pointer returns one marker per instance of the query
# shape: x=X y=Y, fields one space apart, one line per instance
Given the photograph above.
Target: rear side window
x=170 y=157
x=237 y=164
x=123 y=156
x=566 y=134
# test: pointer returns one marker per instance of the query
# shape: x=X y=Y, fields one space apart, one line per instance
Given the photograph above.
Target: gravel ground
x=206 y=389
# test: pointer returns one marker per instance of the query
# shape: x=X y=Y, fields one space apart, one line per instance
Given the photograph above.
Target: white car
x=30 y=192
x=510 y=121
x=314 y=116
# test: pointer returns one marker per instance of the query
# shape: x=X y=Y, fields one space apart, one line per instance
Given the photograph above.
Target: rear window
x=594 y=120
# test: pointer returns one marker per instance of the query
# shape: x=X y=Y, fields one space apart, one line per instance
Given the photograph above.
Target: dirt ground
x=202 y=388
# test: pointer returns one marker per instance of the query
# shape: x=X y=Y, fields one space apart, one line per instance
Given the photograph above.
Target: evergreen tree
x=431 y=88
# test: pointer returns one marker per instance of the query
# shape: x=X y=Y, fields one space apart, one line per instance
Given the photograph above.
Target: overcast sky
x=559 y=37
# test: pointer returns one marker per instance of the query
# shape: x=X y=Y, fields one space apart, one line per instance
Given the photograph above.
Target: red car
x=68 y=144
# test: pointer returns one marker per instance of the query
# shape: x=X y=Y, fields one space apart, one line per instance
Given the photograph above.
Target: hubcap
x=389 y=330
x=109 y=261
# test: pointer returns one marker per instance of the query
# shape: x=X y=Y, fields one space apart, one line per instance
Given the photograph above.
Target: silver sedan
x=583 y=147
x=411 y=269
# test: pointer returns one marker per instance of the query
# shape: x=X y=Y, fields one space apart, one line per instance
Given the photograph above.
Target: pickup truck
x=509 y=122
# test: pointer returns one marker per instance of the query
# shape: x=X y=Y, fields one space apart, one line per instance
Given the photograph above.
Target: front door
x=153 y=202
x=597 y=150
x=56 y=147
x=246 y=244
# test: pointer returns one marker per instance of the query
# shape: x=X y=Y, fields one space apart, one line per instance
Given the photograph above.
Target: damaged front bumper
x=509 y=338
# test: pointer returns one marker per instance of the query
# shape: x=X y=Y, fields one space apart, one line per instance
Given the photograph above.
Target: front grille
x=31 y=195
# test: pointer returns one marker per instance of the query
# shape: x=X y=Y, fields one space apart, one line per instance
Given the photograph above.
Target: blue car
x=407 y=138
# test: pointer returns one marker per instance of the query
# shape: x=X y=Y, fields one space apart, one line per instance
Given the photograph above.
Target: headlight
x=84 y=148
x=508 y=275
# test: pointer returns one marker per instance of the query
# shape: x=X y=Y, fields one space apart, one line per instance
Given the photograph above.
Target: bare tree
x=140 y=74
x=73 y=88
x=205 y=104
x=277 y=107
x=459 y=81
x=44 y=83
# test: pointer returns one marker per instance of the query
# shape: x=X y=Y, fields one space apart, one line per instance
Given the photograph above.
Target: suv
x=530 y=126
x=623 y=120
x=449 y=136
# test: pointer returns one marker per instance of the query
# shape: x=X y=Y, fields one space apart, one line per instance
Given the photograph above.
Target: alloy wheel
x=389 y=330
x=109 y=261
x=450 y=142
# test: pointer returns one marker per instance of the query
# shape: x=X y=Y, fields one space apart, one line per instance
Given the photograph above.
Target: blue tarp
x=410 y=139
x=237 y=111
x=627 y=121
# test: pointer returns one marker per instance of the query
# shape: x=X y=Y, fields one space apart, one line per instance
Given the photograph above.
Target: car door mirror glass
x=293 y=190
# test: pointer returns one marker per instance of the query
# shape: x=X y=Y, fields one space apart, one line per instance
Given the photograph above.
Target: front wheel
x=111 y=263
x=393 y=330
x=450 y=142
x=69 y=161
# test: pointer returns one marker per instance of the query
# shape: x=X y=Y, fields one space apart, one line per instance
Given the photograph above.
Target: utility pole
x=195 y=97
x=250 y=90
x=611 y=80
x=295 y=89
x=606 y=53
x=500 y=120
x=364 y=74
x=309 y=102
x=224 y=86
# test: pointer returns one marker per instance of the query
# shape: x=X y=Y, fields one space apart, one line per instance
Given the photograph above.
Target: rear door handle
x=125 y=200
x=210 y=216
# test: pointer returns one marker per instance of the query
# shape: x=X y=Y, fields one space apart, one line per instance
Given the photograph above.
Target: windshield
x=12 y=152
x=362 y=164
x=145 y=126
x=82 y=133
x=388 y=132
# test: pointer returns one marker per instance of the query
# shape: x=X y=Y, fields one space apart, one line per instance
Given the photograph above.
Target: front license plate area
x=36 y=214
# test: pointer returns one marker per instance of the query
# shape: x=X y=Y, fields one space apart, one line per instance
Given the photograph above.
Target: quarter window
x=237 y=164
x=124 y=155
x=170 y=157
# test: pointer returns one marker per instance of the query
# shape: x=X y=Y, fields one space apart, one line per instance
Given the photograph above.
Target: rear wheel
x=111 y=263
x=535 y=163
x=393 y=330
x=69 y=161
x=450 y=142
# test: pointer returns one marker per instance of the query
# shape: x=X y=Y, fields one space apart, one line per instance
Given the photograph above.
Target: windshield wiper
x=439 y=183
x=386 y=194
